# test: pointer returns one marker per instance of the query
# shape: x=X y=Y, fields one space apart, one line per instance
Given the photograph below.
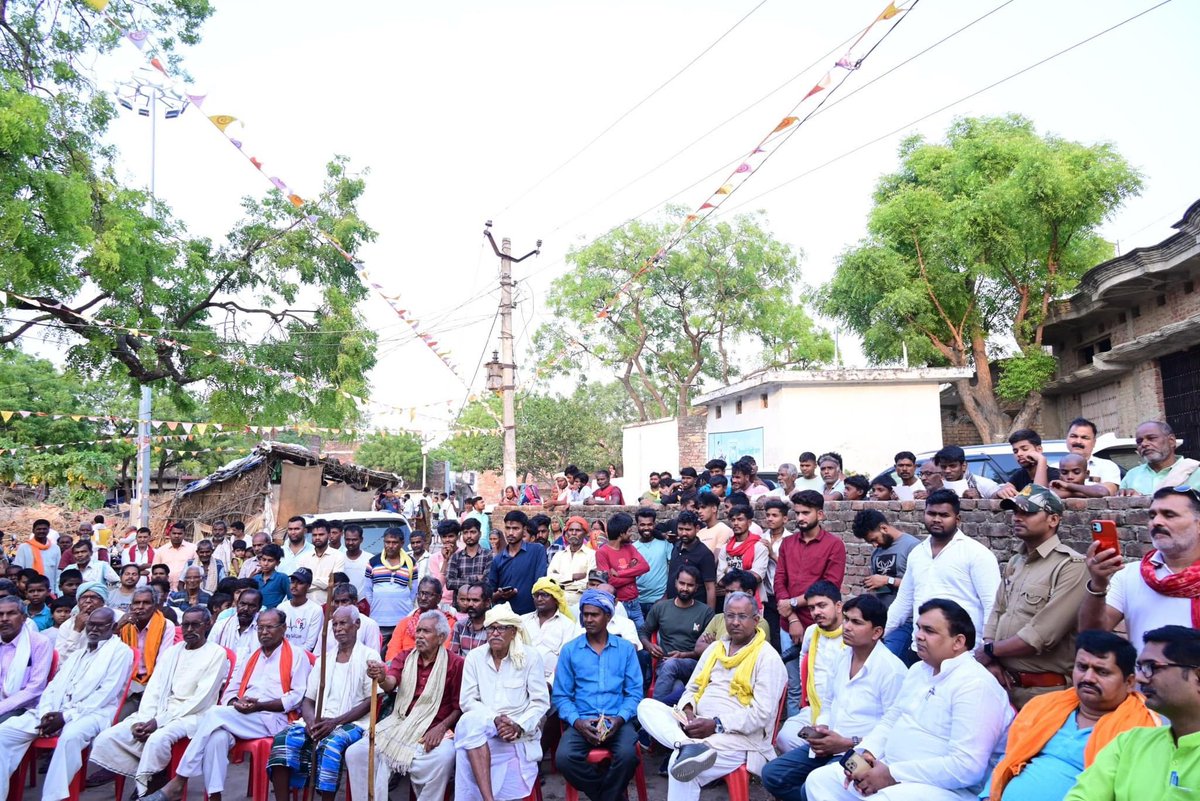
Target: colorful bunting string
x=141 y=39
x=766 y=147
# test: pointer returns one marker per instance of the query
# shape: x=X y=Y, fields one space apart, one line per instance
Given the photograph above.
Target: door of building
x=1181 y=397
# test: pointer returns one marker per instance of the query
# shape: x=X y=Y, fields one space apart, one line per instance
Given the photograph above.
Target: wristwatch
x=854 y=742
x=720 y=728
x=793 y=602
x=891 y=581
x=989 y=648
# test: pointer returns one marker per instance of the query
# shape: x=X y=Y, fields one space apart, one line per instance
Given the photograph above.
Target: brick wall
x=957 y=428
x=982 y=520
x=693 y=437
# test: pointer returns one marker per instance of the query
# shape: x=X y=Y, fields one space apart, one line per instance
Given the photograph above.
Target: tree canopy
x=272 y=300
x=394 y=453
x=968 y=244
x=724 y=302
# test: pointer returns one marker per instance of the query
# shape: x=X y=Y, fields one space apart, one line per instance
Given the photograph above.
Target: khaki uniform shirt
x=1039 y=602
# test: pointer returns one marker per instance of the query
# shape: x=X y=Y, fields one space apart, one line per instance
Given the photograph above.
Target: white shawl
x=14 y=679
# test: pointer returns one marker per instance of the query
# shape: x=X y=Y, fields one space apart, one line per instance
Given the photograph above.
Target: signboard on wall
x=732 y=445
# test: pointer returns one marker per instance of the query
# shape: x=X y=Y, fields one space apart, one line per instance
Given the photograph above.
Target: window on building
x=763 y=398
x=718 y=412
x=737 y=407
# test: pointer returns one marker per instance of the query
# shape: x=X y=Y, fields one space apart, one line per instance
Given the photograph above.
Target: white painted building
x=865 y=415
x=647 y=447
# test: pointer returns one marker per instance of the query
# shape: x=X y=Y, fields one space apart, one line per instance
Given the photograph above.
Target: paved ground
x=552 y=789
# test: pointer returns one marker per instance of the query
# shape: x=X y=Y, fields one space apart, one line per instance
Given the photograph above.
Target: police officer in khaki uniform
x=1029 y=640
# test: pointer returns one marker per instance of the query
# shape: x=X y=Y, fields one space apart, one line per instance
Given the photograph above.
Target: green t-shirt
x=677 y=628
x=1142 y=765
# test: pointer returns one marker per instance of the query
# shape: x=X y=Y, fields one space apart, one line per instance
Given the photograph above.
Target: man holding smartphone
x=1029 y=638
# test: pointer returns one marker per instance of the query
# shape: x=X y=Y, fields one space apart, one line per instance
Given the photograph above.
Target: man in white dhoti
x=326 y=729
x=72 y=635
x=936 y=741
x=414 y=739
x=239 y=632
x=263 y=690
x=504 y=697
x=79 y=703
x=726 y=716
x=25 y=657
x=145 y=628
x=186 y=683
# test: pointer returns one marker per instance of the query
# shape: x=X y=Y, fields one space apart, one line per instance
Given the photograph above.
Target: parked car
x=373 y=525
x=996 y=461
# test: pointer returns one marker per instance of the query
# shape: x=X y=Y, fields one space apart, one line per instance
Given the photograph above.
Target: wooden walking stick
x=312 y=771
x=371 y=740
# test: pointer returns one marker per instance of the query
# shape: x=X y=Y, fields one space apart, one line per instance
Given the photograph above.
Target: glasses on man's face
x=738 y=617
x=1148 y=669
x=496 y=628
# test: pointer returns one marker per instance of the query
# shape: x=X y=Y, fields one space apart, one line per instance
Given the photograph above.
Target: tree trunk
x=979 y=398
x=1029 y=411
x=683 y=402
x=636 y=398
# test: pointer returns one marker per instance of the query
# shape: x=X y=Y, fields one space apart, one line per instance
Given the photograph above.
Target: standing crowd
x=710 y=626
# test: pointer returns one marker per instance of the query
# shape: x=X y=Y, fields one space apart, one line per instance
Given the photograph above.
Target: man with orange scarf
x=257 y=703
x=40 y=552
x=1058 y=734
x=145 y=629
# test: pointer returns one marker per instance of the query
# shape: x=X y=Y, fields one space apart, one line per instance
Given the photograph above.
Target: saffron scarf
x=742 y=664
x=810 y=667
x=1177 y=585
x=154 y=637
x=743 y=550
x=285 y=673
x=1045 y=714
x=36 y=549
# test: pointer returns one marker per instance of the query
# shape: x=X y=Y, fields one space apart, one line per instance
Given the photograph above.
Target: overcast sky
x=461 y=110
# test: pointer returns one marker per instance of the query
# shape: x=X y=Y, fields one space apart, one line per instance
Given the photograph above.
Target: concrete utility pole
x=507 y=384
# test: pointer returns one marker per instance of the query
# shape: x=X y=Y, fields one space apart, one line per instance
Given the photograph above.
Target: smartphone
x=855 y=764
x=1105 y=533
x=507 y=589
x=807 y=733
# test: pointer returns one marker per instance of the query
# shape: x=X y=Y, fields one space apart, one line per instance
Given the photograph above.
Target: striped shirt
x=391 y=589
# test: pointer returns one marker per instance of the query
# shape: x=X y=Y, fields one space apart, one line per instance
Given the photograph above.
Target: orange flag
x=784 y=123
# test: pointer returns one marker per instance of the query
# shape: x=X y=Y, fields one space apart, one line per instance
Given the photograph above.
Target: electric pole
x=507 y=383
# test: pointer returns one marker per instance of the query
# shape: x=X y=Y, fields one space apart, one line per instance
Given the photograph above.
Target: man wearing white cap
x=504 y=697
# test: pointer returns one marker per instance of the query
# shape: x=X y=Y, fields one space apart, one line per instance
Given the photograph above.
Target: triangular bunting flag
x=6 y=415
x=889 y=12
x=222 y=121
x=724 y=190
x=821 y=85
x=784 y=123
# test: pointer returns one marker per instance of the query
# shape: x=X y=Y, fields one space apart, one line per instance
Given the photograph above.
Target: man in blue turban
x=597 y=687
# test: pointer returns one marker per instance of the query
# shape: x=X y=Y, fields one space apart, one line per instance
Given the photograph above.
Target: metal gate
x=1100 y=406
x=1181 y=397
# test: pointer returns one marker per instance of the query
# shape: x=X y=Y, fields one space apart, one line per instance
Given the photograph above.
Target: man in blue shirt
x=517 y=566
x=657 y=553
x=597 y=687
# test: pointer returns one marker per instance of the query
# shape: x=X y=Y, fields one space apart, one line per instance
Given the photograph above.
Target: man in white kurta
x=72 y=635
x=731 y=704
x=261 y=693
x=504 y=697
x=550 y=625
x=148 y=630
x=820 y=651
x=239 y=631
x=936 y=741
x=79 y=703
x=186 y=682
x=368 y=630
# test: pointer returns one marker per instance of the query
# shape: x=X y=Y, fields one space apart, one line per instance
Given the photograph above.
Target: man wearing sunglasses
x=1162 y=589
x=1159 y=763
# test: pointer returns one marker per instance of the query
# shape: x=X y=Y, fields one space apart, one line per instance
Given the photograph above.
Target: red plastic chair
x=259 y=751
x=738 y=782
x=180 y=745
x=27 y=765
x=602 y=756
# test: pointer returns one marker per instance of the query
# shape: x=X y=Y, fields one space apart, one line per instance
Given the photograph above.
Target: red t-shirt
x=622 y=570
x=454 y=670
x=611 y=494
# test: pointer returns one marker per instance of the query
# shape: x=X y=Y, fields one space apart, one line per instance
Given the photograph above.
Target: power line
x=631 y=109
x=950 y=105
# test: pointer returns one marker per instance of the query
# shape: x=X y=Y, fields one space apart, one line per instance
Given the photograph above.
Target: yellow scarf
x=810 y=667
x=742 y=663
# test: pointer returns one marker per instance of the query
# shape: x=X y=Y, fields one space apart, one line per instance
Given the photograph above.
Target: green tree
x=968 y=244
x=582 y=428
x=394 y=453
x=272 y=297
x=728 y=290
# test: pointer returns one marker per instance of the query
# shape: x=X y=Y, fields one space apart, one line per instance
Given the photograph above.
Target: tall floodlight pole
x=507 y=368
x=149 y=93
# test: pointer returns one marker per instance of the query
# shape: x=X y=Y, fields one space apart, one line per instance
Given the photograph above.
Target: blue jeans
x=784 y=776
x=673 y=675
x=793 y=673
x=899 y=642
x=634 y=610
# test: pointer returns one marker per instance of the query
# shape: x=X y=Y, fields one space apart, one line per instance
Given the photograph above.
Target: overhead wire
x=949 y=105
x=631 y=109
